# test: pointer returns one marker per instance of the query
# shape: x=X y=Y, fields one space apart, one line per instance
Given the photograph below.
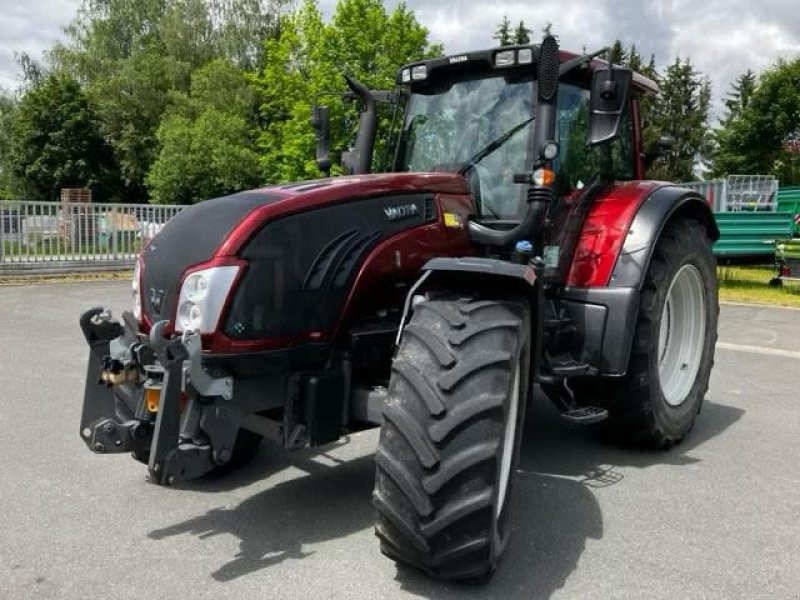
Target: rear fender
x=661 y=207
x=605 y=313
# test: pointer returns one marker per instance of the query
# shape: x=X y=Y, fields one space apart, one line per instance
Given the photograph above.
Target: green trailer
x=751 y=234
x=749 y=213
x=789 y=202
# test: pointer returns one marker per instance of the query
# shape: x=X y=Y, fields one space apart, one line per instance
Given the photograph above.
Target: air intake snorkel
x=545 y=149
x=358 y=160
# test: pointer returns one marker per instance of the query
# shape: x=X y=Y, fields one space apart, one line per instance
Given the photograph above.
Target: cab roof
x=483 y=62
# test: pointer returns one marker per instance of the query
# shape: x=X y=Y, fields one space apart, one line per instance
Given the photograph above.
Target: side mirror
x=321 y=122
x=658 y=149
x=607 y=102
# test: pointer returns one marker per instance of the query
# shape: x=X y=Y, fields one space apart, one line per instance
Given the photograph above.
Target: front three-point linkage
x=101 y=430
x=171 y=460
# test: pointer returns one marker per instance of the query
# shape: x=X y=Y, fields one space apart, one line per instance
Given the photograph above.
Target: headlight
x=504 y=58
x=202 y=298
x=419 y=72
x=137 y=296
x=196 y=286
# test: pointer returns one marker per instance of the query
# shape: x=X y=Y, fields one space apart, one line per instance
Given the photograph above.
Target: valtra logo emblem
x=403 y=211
x=156 y=296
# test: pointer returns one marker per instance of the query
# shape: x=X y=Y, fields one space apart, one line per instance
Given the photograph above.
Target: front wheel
x=451 y=435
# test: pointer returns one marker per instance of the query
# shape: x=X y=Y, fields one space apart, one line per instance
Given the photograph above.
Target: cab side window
x=579 y=164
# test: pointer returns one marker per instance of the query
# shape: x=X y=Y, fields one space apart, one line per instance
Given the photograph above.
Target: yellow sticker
x=452 y=220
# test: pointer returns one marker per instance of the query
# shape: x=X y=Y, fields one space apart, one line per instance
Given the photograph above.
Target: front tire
x=673 y=348
x=451 y=434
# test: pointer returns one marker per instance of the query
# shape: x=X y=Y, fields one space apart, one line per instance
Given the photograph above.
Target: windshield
x=444 y=130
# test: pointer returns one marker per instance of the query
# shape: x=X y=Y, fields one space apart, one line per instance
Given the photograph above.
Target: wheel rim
x=509 y=438
x=682 y=335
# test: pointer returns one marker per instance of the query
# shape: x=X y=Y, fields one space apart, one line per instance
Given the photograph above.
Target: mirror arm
x=320 y=121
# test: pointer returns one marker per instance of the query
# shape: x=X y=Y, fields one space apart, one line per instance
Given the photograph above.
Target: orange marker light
x=152 y=398
x=544 y=177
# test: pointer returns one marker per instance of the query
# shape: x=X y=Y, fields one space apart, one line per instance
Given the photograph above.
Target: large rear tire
x=451 y=434
x=657 y=402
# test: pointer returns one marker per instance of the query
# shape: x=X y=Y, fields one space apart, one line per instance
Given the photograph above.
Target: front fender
x=503 y=278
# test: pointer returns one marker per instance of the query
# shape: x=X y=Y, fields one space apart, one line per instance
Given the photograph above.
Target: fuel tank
x=314 y=253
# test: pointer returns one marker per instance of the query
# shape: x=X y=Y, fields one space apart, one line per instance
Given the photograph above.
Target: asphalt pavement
x=716 y=517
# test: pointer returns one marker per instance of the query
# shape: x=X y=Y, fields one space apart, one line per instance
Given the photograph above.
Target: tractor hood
x=224 y=227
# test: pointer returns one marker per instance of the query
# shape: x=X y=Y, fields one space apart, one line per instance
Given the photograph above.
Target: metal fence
x=48 y=236
x=739 y=193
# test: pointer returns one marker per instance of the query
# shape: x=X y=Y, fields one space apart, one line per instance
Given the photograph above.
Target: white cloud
x=722 y=37
x=30 y=27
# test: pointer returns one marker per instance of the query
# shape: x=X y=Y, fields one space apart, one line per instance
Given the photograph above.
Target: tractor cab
x=532 y=128
x=476 y=113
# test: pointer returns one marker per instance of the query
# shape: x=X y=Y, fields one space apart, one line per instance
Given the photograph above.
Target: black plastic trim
x=254 y=365
x=652 y=216
x=607 y=350
x=483 y=266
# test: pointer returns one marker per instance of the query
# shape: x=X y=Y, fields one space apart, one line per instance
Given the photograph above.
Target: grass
x=749 y=284
x=53 y=247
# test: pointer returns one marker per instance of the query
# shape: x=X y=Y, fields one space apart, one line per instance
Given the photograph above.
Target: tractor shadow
x=556 y=509
x=274 y=525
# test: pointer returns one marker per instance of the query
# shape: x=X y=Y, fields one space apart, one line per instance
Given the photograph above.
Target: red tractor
x=514 y=243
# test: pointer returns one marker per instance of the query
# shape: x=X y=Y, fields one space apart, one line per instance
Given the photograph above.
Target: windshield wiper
x=491 y=147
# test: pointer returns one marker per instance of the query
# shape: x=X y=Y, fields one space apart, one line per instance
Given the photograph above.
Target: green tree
x=56 y=142
x=132 y=55
x=306 y=65
x=503 y=33
x=8 y=110
x=522 y=35
x=759 y=134
x=617 y=53
x=681 y=111
x=206 y=140
x=738 y=98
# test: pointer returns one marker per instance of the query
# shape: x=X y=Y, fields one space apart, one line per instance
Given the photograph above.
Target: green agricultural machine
x=787 y=251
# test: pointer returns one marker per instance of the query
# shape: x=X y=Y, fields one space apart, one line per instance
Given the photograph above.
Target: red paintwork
x=376 y=279
x=336 y=190
x=604 y=232
x=401 y=257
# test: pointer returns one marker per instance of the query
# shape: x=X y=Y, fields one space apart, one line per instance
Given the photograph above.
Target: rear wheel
x=673 y=348
x=451 y=435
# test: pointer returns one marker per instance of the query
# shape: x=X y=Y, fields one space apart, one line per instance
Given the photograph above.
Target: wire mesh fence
x=41 y=235
x=739 y=193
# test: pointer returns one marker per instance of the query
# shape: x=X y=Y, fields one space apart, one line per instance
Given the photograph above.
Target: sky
x=723 y=38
